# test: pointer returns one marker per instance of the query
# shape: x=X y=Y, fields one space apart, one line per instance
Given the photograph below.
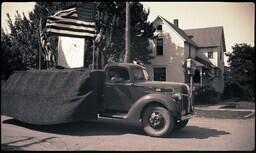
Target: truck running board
x=117 y=115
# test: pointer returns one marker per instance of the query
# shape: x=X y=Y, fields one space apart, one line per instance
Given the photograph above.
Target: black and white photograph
x=127 y=76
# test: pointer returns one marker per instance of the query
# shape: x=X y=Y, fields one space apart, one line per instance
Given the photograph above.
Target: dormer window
x=220 y=53
x=159 y=27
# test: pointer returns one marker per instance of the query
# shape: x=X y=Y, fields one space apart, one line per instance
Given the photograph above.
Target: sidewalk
x=227 y=110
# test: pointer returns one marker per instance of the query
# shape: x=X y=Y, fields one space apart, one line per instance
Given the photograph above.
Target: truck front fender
x=166 y=101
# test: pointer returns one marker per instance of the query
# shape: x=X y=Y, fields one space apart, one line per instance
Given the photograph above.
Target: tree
x=241 y=71
x=10 y=60
x=111 y=16
x=16 y=51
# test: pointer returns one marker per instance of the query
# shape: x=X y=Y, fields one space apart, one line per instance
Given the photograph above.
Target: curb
x=225 y=113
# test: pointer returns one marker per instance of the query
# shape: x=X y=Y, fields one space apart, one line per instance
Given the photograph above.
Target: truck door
x=117 y=90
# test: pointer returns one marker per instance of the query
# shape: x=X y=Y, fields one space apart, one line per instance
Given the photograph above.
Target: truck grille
x=185 y=105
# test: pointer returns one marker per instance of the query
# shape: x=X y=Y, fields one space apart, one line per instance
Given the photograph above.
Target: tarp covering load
x=52 y=96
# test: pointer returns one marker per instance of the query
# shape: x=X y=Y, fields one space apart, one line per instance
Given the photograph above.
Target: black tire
x=180 y=125
x=157 y=121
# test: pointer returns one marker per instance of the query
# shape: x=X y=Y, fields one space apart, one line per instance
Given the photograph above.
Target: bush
x=206 y=95
x=241 y=93
x=233 y=91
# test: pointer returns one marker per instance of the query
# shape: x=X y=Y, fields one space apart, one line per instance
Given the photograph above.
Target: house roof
x=207 y=37
x=180 y=32
x=202 y=37
x=207 y=63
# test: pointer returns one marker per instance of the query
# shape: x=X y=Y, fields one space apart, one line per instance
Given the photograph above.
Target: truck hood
x=165 y=85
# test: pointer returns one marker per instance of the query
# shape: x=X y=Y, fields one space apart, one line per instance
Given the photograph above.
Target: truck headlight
x=177 y=97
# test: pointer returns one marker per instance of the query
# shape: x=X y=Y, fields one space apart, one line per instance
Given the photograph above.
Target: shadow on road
x=88 y=128
x=12 y=145
x=106 y=127
x=197 y=133
x=5 y=147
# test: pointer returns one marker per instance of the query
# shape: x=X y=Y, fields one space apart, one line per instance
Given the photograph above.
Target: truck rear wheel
x=157 y=121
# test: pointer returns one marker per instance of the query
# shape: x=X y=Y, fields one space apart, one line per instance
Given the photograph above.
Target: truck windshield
x=140 y=74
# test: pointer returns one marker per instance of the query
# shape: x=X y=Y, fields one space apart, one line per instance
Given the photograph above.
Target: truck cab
x=128 y=94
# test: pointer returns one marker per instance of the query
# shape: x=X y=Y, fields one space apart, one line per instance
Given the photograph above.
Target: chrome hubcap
x=156 y=120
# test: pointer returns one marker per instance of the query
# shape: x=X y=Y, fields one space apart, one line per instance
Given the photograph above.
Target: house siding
x=218 y=82
x=173 y=54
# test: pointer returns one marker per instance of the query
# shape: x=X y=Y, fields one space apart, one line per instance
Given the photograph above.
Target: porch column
x=201 y=76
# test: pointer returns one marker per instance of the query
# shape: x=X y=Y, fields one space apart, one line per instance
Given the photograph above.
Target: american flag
x=47 y=53
x=78 y=21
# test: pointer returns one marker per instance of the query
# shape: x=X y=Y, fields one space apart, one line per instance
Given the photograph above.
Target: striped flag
x=73 y=22
x=47 y=52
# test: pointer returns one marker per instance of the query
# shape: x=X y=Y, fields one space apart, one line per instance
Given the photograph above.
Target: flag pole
x=127 y=33
x=97 y=58
x=93 y=52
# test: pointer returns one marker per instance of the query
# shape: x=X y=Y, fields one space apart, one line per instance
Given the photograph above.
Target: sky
x=12 y=7
x=237 y=18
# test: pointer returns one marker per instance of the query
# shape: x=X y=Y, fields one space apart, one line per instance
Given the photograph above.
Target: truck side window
x=118 y=74
x=138 y=75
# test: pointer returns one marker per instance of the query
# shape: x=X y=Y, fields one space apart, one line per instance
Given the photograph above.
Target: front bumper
x=187 y=116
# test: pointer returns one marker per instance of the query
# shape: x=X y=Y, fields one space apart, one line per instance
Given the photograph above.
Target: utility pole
x=190 y=73
x=40 y=45
x=127 y=33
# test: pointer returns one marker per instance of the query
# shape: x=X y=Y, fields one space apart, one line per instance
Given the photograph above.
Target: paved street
x=200 y=134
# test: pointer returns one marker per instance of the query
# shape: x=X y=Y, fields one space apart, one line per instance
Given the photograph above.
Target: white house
x=173 y=46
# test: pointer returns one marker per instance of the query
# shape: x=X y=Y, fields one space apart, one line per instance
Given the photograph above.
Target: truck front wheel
x=157 y=121
x=180 y=125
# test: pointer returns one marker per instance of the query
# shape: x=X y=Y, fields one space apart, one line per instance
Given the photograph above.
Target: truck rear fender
x=139 y=106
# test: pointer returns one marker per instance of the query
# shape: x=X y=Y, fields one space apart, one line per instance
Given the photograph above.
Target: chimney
x=176 y=22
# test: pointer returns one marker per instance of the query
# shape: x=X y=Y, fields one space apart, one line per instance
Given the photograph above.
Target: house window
x=160 y=74
x=220 y=54
x=159 y=47
x=210 y=53
x=189 y=51
x=159 y=27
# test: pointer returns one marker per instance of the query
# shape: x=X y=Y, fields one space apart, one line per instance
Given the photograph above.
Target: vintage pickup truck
x=123 y=91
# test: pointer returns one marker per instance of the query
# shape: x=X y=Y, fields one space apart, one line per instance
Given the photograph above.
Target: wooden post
x=127 y=34
x=201 y=76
